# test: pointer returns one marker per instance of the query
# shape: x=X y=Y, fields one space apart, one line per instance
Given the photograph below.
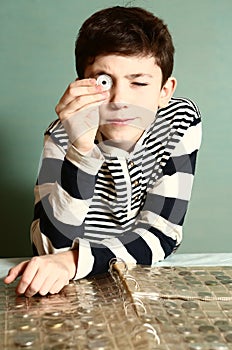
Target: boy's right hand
x=78 y=111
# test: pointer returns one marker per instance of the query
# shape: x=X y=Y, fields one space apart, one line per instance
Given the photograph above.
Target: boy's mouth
x=119 y=121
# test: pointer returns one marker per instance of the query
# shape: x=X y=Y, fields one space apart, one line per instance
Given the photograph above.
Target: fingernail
x=99 y=88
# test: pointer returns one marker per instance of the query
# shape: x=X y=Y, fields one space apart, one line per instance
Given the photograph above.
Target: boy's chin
x=124 y=141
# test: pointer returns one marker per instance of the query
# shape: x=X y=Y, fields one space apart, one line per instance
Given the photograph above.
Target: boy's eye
x=139 y=84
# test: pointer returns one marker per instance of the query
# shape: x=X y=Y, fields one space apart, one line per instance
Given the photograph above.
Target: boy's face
x=134 y=97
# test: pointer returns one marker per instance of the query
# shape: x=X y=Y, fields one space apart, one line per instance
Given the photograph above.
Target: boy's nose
x=118 y=98
x=114 y=106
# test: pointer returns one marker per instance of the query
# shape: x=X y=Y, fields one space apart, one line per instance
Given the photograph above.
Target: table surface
x=167 y=312
x=203 y=259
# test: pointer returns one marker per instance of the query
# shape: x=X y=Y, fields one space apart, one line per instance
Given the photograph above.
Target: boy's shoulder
x=180 y=105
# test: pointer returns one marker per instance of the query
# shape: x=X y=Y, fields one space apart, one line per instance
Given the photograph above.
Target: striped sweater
x=111 y=203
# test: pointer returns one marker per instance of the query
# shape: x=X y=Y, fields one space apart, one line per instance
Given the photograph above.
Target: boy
x=118 y=164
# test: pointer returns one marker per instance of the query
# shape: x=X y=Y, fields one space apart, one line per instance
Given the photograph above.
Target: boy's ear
x=167 y=92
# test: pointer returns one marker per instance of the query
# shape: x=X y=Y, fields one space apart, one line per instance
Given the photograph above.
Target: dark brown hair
x=124 y=31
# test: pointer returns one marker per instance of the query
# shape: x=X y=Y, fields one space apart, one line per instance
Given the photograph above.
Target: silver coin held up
x=105 y=81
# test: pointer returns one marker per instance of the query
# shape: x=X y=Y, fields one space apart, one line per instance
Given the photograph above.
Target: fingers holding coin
x=81 y=94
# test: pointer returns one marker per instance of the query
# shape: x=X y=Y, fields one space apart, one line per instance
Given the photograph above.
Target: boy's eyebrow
x=138 y=75
x=128 y=76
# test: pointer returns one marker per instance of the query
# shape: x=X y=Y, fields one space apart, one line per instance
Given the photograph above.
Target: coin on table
x=218 y=346
x=227 y=281
x=222 y=277
x=95 y=333
x=174 y=312
x=206 y=329
x=179 y=321
x=228 y=337
x=52 y=314
x=170 y=304
x=211 y=338
x=205 y=294
x=184 y=330
x=226 y=306
x=61 y=346
x=99 y=344
x=185 y=273
x=24 y=339
x=221 y=323
x=54 y=338
x=190 y=305
x=54 y=323
x=211 y=283
x=161 y=319
x=191 y=338
x=196 y=346
x=200 y=273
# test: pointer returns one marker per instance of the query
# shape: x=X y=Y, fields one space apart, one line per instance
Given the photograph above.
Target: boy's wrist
x=71 y=259
x=74 y=257
x=83 y=149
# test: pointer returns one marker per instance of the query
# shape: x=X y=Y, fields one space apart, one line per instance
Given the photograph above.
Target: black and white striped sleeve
x=63 y=192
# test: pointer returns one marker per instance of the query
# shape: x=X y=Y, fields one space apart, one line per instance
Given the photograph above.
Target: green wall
x=37 y=63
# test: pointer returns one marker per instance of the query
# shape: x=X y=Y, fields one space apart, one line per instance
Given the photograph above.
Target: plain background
x=36 y=65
